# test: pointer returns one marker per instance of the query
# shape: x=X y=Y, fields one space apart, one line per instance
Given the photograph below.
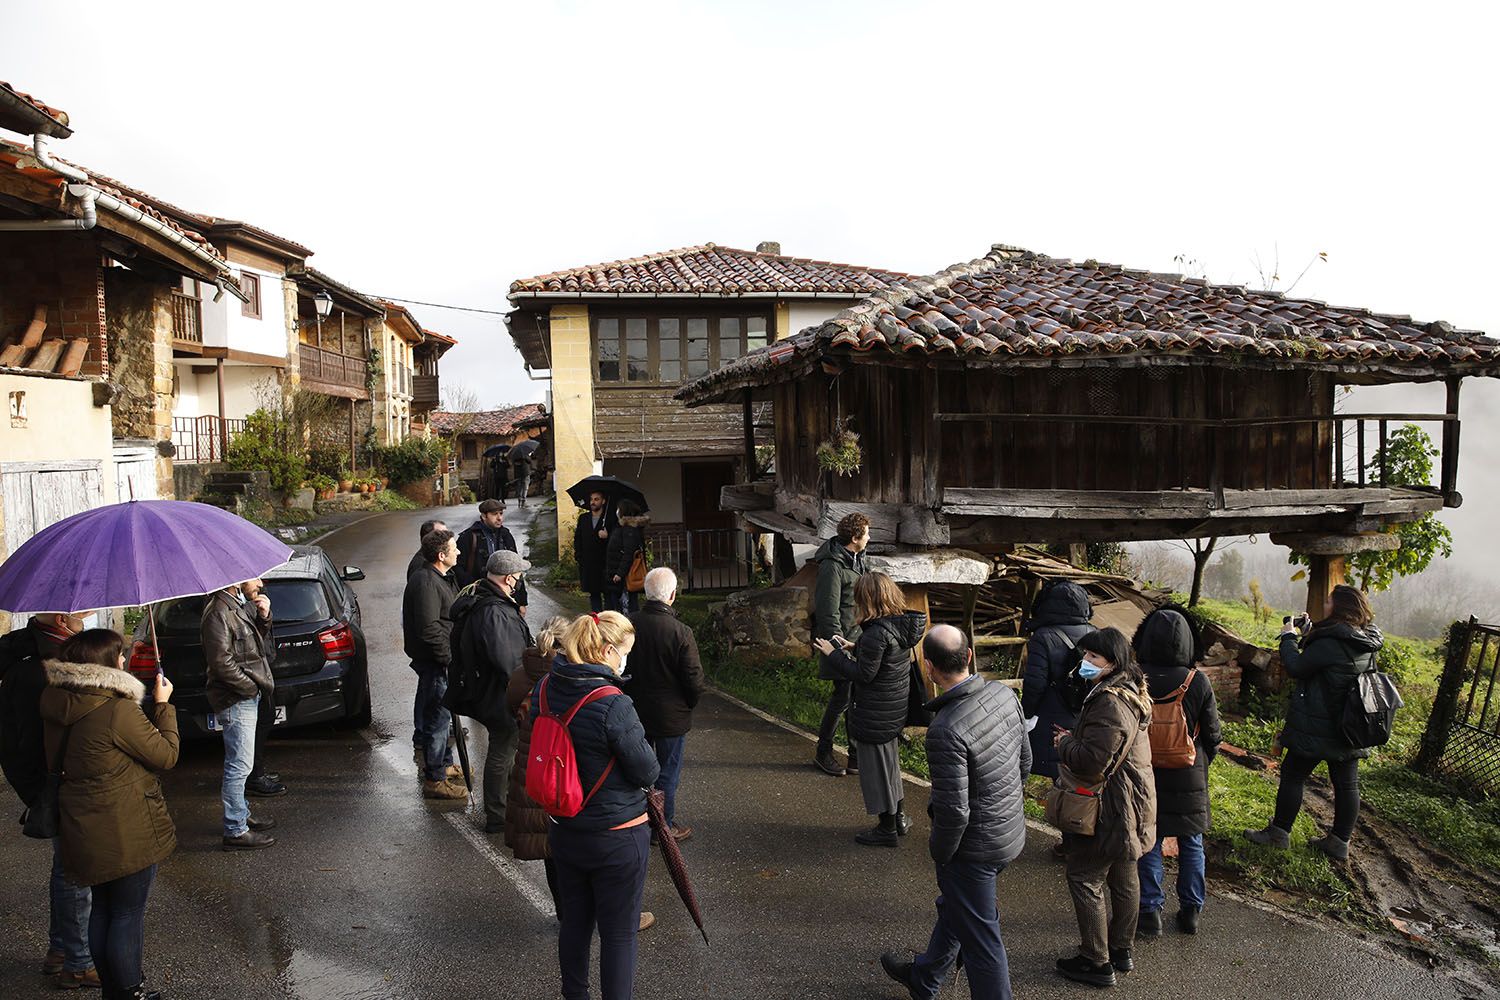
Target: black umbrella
x=523 y=451
x=496 y=449
x=672 y=855
x=462 y=743
x=614 y=489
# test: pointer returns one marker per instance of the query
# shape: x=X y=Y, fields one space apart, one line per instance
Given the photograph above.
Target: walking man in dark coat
x=489 y=639
x=979 y=760
x=23 y=756
x=841 y=561
x=1059 y=618
x=426 y=633
x=590 y=545
x=665 y=682
x=238 y=648
x=482 y=539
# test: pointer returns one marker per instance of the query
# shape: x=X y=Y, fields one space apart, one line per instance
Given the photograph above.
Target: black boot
x=853 y=765
x=899 y=969
x=1187 y=918
x=1121 y=959
x=1148 y=924
x=883 y=835
x=903 y=821
x=826 y=763
x=1081 y=970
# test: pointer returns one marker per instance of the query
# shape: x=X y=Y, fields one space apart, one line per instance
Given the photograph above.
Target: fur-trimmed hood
x=93 y=679
x=638 y=521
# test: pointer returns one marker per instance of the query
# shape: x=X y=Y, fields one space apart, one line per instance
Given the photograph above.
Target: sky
x=437 y=152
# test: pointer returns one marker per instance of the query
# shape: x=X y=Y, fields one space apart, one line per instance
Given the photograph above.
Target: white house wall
x=660 y=479
x=225 y=326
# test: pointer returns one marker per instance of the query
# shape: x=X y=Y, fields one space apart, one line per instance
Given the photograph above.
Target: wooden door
x=701 y=483
x=37 y=495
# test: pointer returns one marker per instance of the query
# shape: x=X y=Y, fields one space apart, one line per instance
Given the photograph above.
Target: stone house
x=616 y=341
x=473 y=434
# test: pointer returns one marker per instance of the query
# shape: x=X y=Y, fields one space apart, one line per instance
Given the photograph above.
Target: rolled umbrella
x=614 y=489
x=672 y=855
x=135 y=553
x=461 y=741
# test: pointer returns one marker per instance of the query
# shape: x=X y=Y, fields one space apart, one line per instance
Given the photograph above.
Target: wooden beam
x=747 y=496
x=1190 y=500
x=1315 y=544
x=793 y=531
x=919 y=525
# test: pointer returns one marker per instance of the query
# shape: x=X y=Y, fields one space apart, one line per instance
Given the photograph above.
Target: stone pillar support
x=1327 y=557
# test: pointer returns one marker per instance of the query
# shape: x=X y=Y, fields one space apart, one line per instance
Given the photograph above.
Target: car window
x=182 y=615
x=297 y=601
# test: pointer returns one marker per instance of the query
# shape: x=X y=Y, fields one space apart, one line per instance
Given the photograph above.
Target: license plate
x=280 y=716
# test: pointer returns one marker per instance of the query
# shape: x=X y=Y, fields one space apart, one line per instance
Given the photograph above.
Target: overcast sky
x=438 y=151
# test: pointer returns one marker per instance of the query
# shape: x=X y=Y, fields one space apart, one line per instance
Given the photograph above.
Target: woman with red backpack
x=595 y=800
x=1184 y=737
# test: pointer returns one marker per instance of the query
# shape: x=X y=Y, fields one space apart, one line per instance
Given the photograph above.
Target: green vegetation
x=270 y=441
x=391 y=500
x=412 y=460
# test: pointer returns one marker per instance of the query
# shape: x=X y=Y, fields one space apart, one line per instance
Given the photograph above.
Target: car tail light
x=338 y=642
x=143 y=661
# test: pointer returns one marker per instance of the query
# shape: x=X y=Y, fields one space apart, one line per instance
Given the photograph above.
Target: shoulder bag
x=43 y=817
x=1073 y=804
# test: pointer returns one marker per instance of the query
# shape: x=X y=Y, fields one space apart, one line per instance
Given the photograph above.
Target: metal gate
x=1462 y=741
x=705 y=558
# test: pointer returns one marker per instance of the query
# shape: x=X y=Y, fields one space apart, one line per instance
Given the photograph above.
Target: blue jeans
x=238 y=722
x=68 y=928
x=433 y=721
x=1190 y=889
x=968 y=926
x=600 y=877
x=117 y=930
x=669 y=756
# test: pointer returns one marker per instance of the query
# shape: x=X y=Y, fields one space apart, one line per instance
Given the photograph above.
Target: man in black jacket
x=978 y=759
x=482 y=539
x=426 y=627
x=665 y=682
x=238 y=647
x=590 y=545
x=489 y=639
x=24 y=758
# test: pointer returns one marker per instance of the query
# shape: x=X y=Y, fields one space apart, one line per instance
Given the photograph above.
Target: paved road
x=373 y=893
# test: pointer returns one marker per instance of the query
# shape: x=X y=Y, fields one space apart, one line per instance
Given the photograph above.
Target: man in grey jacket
x=978 y=759
x=238 y=648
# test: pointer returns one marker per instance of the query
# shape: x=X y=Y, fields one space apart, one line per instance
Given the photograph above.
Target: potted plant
x=346 y=483
x=841 y=453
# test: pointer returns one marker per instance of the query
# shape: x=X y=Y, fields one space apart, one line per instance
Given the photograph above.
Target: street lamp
x=323 y=303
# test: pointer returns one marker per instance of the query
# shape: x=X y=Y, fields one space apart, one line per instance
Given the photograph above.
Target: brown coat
x=1114 y=720
x=525 y=822
x=114 y=820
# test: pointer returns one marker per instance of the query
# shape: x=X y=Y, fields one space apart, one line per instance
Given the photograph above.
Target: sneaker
x=53 y=963
x=255 y=823
x=827 y=764
x=1121 y=959
x=878 y=837
x=250 y=840
x=648 y=921
x=1187 y=918
x=87 y=979
x=264 y=788
x=445 y=789
x=1081 y=970
x=1148 y=924
x=899 y=969
x=1271 y=836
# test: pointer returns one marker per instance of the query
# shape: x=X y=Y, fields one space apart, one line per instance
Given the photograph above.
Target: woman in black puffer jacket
x=628 y=537
x=1168 y=649
x=599 y=855
x=1326 y=664
x=880 y=668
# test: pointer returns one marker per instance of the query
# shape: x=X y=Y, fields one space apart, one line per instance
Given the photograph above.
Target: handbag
x=635 y=579
x=43 y=817
x=1073 y=804
x=916 y=699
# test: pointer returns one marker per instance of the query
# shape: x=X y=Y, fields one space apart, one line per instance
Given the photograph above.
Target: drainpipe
x=92 y=196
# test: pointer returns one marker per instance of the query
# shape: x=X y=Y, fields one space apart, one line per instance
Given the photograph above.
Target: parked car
x=321 y=670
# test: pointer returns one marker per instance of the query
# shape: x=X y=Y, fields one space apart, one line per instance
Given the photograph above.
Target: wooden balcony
x=187 y=322
x=424 y=390
x=333 y=374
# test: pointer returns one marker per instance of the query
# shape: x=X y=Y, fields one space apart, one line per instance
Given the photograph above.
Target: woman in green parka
x=1325 y=662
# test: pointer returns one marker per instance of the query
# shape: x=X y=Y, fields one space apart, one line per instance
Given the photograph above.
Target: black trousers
x=600 y=878
x=1345 y=777
x=265 y=718
x=838 y=705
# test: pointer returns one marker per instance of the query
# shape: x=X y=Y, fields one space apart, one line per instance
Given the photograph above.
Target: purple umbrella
x=129 y=554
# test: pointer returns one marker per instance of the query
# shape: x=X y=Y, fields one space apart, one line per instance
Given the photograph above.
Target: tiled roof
x=58 y=128
x=711 y=270
x=14 y=155
x=497 y=423
x=441 y=338
x=1014 y=304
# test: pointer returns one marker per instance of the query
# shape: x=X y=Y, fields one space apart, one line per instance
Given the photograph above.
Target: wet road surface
x=372 y=892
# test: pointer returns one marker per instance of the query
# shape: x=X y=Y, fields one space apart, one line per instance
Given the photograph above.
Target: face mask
x=1088 y=671
x=622 y=664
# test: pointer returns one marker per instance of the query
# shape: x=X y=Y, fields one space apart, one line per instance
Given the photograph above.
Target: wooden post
x=1450 y=442
x=1445 y=705
x=916 y=600
x=1323 y=574
x=1078 y=554
x=749 y=422
x=971 y=599
x=223 y=424
x=353 y=457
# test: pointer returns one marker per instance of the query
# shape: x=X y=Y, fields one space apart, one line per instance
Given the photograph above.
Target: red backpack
x=552 y=769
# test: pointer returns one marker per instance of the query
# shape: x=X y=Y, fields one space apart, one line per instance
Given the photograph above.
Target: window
x=250 y=285
x=669 y=349
x=470 y=449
